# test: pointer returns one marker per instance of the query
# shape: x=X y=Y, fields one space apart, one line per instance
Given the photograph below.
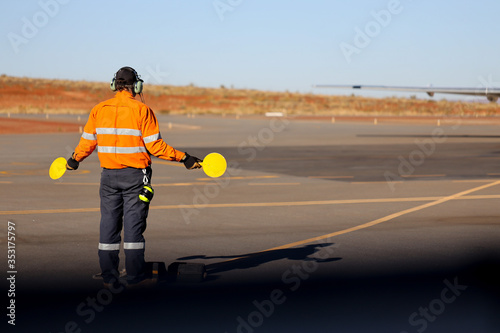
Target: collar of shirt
x=124 y=94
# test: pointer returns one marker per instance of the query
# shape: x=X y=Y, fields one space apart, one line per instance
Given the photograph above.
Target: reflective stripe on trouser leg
x=134 y=246
x=109 y=247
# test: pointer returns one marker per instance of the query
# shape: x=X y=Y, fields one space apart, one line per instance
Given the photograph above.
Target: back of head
x=127 y=79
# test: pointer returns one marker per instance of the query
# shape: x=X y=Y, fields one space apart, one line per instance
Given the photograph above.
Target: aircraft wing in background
x=492 y=94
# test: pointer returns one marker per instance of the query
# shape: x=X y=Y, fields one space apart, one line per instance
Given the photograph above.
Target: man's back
x=125 y=132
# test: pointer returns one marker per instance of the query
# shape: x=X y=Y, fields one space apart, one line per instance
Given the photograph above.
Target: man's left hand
x=191 y=162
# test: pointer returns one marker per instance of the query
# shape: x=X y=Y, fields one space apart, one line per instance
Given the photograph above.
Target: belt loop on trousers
x=145 y=179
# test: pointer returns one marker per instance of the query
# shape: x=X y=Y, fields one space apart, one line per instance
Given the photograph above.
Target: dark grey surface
x=369 y=280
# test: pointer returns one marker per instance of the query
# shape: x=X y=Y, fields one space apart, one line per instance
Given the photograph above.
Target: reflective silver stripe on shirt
x=119 y=131
x=133 y=246
x=89 y=136
x=109 y=247
x=121 y=150
x=152 y=138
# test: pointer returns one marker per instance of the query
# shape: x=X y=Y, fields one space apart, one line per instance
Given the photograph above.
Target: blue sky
x=257 y=44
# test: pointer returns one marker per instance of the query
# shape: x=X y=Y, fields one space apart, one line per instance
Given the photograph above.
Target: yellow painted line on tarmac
x=331 y=177
x=38 y=172
x=283 y=159
x=493 y=174
x=422 y=176
x=5 y=182
x=387 y=218
x=379 y=182
x=242 y=178
x=229 y=205
x=273 y=184
x=49 y=211
x=78 y=184
x=433 y=201
x=183 y=184
x=472 y=181
x=301 y=203
x=154 y=185
x=480 y=197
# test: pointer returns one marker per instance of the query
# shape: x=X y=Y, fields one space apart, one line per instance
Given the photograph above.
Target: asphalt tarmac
x=315 y=227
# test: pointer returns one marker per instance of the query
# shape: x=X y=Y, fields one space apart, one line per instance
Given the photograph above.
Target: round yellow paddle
x=57 y=168
x=214 y=165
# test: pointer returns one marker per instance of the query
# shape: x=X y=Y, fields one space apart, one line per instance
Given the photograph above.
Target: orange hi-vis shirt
x=125 y=132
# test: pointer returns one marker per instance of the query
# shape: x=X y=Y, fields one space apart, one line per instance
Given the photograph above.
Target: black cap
x=126 y=75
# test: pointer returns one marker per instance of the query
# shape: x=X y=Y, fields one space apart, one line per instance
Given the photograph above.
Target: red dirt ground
x=23 y=126
x=43 y=97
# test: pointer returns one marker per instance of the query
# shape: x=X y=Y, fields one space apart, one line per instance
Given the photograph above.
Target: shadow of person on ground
x=319 y=253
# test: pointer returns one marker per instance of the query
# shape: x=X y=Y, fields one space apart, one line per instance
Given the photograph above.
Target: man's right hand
x=71 y=163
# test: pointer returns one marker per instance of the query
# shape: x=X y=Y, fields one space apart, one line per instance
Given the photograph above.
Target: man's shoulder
x=140 y=104
x=142 y=107
x=132 y=101
x=110 y=101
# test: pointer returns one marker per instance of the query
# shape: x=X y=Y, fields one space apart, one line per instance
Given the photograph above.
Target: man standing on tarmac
x=125 y=132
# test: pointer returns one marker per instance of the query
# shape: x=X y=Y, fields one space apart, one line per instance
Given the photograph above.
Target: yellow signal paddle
x=57 y=168
x=214 y=165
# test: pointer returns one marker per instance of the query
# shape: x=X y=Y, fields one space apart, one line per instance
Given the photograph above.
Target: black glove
x=72 y=164
x=191 y=162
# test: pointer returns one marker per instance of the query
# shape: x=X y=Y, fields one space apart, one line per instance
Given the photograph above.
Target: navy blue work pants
x=121 y=208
